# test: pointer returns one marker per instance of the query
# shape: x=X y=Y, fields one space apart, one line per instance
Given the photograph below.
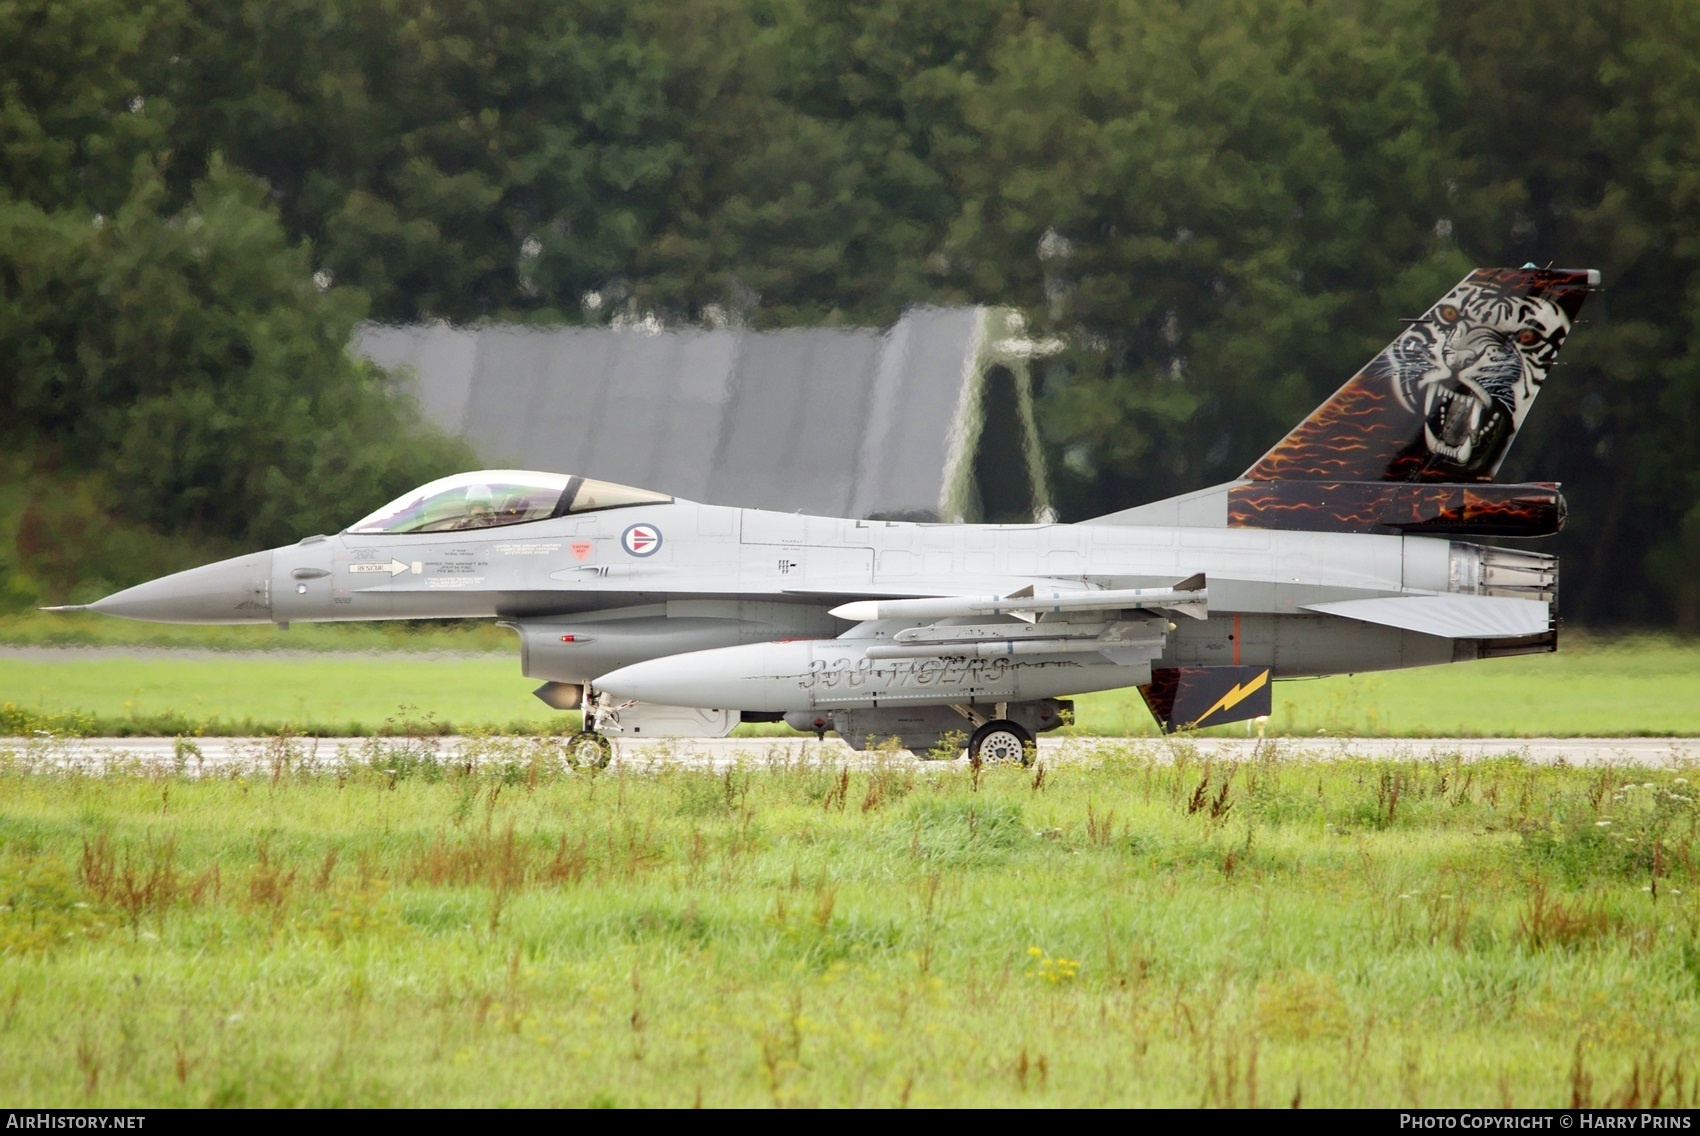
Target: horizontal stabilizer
x=1450 y=617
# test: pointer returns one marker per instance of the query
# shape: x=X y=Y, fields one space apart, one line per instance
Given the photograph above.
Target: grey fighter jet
x=1344 y=548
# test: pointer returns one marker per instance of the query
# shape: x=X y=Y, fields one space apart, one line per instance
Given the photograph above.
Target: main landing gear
x=996 y=739
x=1001 y=741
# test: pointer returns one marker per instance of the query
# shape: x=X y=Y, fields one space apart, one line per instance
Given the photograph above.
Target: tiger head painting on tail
x=1443 y=401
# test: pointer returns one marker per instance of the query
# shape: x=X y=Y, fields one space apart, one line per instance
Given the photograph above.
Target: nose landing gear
x=590 y=748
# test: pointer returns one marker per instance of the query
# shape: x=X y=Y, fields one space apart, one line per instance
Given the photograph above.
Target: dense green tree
x=453 y=160
x=1220 y=204
x=827 y=146
x=74 y=107
x=1582 y=126
x=191 y=356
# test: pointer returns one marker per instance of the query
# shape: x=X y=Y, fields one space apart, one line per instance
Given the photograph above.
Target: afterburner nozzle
x=231 y=591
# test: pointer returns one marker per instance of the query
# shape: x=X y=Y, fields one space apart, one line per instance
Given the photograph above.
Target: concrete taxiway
x=227 y=756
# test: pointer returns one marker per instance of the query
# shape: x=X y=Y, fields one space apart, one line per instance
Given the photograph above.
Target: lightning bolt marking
x=1236 y=694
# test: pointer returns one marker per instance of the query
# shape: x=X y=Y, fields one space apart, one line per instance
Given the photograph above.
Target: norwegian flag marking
x=641 y=540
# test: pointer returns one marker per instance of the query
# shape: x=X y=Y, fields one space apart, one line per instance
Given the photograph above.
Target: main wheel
x=590 y=750
x=1001 y=740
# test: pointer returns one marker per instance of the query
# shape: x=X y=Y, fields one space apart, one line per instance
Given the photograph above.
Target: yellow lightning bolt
x=1236 y=694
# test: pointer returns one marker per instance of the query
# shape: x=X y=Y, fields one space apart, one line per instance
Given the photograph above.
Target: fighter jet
x=1352 y=545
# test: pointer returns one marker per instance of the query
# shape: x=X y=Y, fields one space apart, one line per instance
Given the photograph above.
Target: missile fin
x=1021 y=594
x=1193 y=583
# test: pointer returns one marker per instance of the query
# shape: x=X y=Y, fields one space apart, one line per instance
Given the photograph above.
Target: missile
x=1007 y=647
x=993 y=640
x=845 y=674
x=971 y=632
x=1189 y=597
x=1147 y=628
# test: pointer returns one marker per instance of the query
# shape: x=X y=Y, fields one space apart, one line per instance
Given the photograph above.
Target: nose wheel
x=590 y=747
x=1003 y=742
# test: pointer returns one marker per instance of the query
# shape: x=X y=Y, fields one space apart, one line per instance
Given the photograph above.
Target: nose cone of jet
x=231 y=591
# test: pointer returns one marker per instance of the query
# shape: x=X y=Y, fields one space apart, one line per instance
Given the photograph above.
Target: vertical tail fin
x=1443 y=401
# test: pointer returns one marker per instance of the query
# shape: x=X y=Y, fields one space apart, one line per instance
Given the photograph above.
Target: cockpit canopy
x=493 y=497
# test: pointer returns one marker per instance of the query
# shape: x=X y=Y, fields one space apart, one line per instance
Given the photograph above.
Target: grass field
x=51 y=629
x=1121 y=932
x=1593 y=687
x=263 y=692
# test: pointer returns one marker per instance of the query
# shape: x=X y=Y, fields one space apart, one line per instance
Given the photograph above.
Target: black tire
x=588 y=749
x=1001 y=741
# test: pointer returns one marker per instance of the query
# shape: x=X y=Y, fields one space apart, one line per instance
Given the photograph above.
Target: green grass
x=53 y=629
x=1120 y=932
x=261 y=693
x=1593 y=687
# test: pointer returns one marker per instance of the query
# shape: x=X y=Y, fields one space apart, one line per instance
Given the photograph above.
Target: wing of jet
x=1352 y=545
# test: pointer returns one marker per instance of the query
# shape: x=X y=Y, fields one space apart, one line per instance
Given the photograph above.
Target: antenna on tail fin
x=1444 y=400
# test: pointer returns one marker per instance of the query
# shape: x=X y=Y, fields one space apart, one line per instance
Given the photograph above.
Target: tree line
x=1223 y=208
